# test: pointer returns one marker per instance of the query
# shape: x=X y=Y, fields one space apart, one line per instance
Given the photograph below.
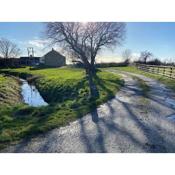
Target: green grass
x=67 y=92
x=143 y=86
x=9 y=91
x=167 y=81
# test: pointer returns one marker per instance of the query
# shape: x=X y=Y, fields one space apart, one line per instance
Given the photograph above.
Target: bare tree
x=85 y=40
x=127 y=55
x=8 y=49
x=145 y=55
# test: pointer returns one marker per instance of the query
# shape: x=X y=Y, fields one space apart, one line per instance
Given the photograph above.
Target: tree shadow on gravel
x=148 y=131
x=92 y=144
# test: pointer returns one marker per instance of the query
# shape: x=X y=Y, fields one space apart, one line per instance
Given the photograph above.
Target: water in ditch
x=31 y=95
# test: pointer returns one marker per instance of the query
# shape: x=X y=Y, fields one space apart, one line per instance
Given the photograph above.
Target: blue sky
x=159 y=38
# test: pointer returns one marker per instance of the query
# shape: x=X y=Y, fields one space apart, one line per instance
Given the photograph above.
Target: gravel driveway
x=127 y=123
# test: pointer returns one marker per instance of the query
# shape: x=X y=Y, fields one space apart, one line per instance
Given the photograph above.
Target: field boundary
x=167 y=71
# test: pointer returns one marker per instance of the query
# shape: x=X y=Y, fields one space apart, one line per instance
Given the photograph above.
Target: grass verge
x=67 y=92
x=167 y=81
x=143 y=86
x=9 y=91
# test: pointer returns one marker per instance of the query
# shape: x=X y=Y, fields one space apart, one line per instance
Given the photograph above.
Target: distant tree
x=127 y=55
x=145 y=55
x=155 y=61
x=8 y=49
x=171 y=60
x=85 y=40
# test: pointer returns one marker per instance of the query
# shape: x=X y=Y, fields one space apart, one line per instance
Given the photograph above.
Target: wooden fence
x=168 y=71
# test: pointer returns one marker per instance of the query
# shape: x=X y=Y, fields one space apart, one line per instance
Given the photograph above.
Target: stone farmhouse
x=53 y=59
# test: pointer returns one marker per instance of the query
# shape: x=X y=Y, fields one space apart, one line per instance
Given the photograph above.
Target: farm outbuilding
x=53 y=59
x=29 y=60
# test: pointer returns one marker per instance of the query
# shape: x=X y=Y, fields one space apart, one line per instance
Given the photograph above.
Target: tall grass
x=9 y=91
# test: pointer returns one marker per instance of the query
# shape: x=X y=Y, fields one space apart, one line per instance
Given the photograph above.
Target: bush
x=105 y=65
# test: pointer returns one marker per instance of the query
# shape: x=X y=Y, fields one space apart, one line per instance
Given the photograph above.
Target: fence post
x=163 y=70
x=152 y=69
x=171 y=72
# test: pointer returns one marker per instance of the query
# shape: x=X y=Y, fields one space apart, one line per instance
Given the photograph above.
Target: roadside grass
x=143 y=86
x=167 y=81
x=9 y=91
x=67 y=92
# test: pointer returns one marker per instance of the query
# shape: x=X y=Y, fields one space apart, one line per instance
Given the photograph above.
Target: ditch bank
x=28 y=89
x=9 y=91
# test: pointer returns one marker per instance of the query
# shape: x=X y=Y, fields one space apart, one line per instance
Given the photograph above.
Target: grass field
x=167 y=81
x=67 y=92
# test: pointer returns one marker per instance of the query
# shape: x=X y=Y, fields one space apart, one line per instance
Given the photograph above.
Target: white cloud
x=135 y=56
x=108 y=59
x=39 y=43
x=40 y=46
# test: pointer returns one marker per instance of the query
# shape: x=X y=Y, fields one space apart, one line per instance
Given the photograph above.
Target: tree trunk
x=6 y=62
x=91 y=73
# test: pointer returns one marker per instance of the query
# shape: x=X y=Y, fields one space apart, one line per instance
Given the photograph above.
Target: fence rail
x=168 y=71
